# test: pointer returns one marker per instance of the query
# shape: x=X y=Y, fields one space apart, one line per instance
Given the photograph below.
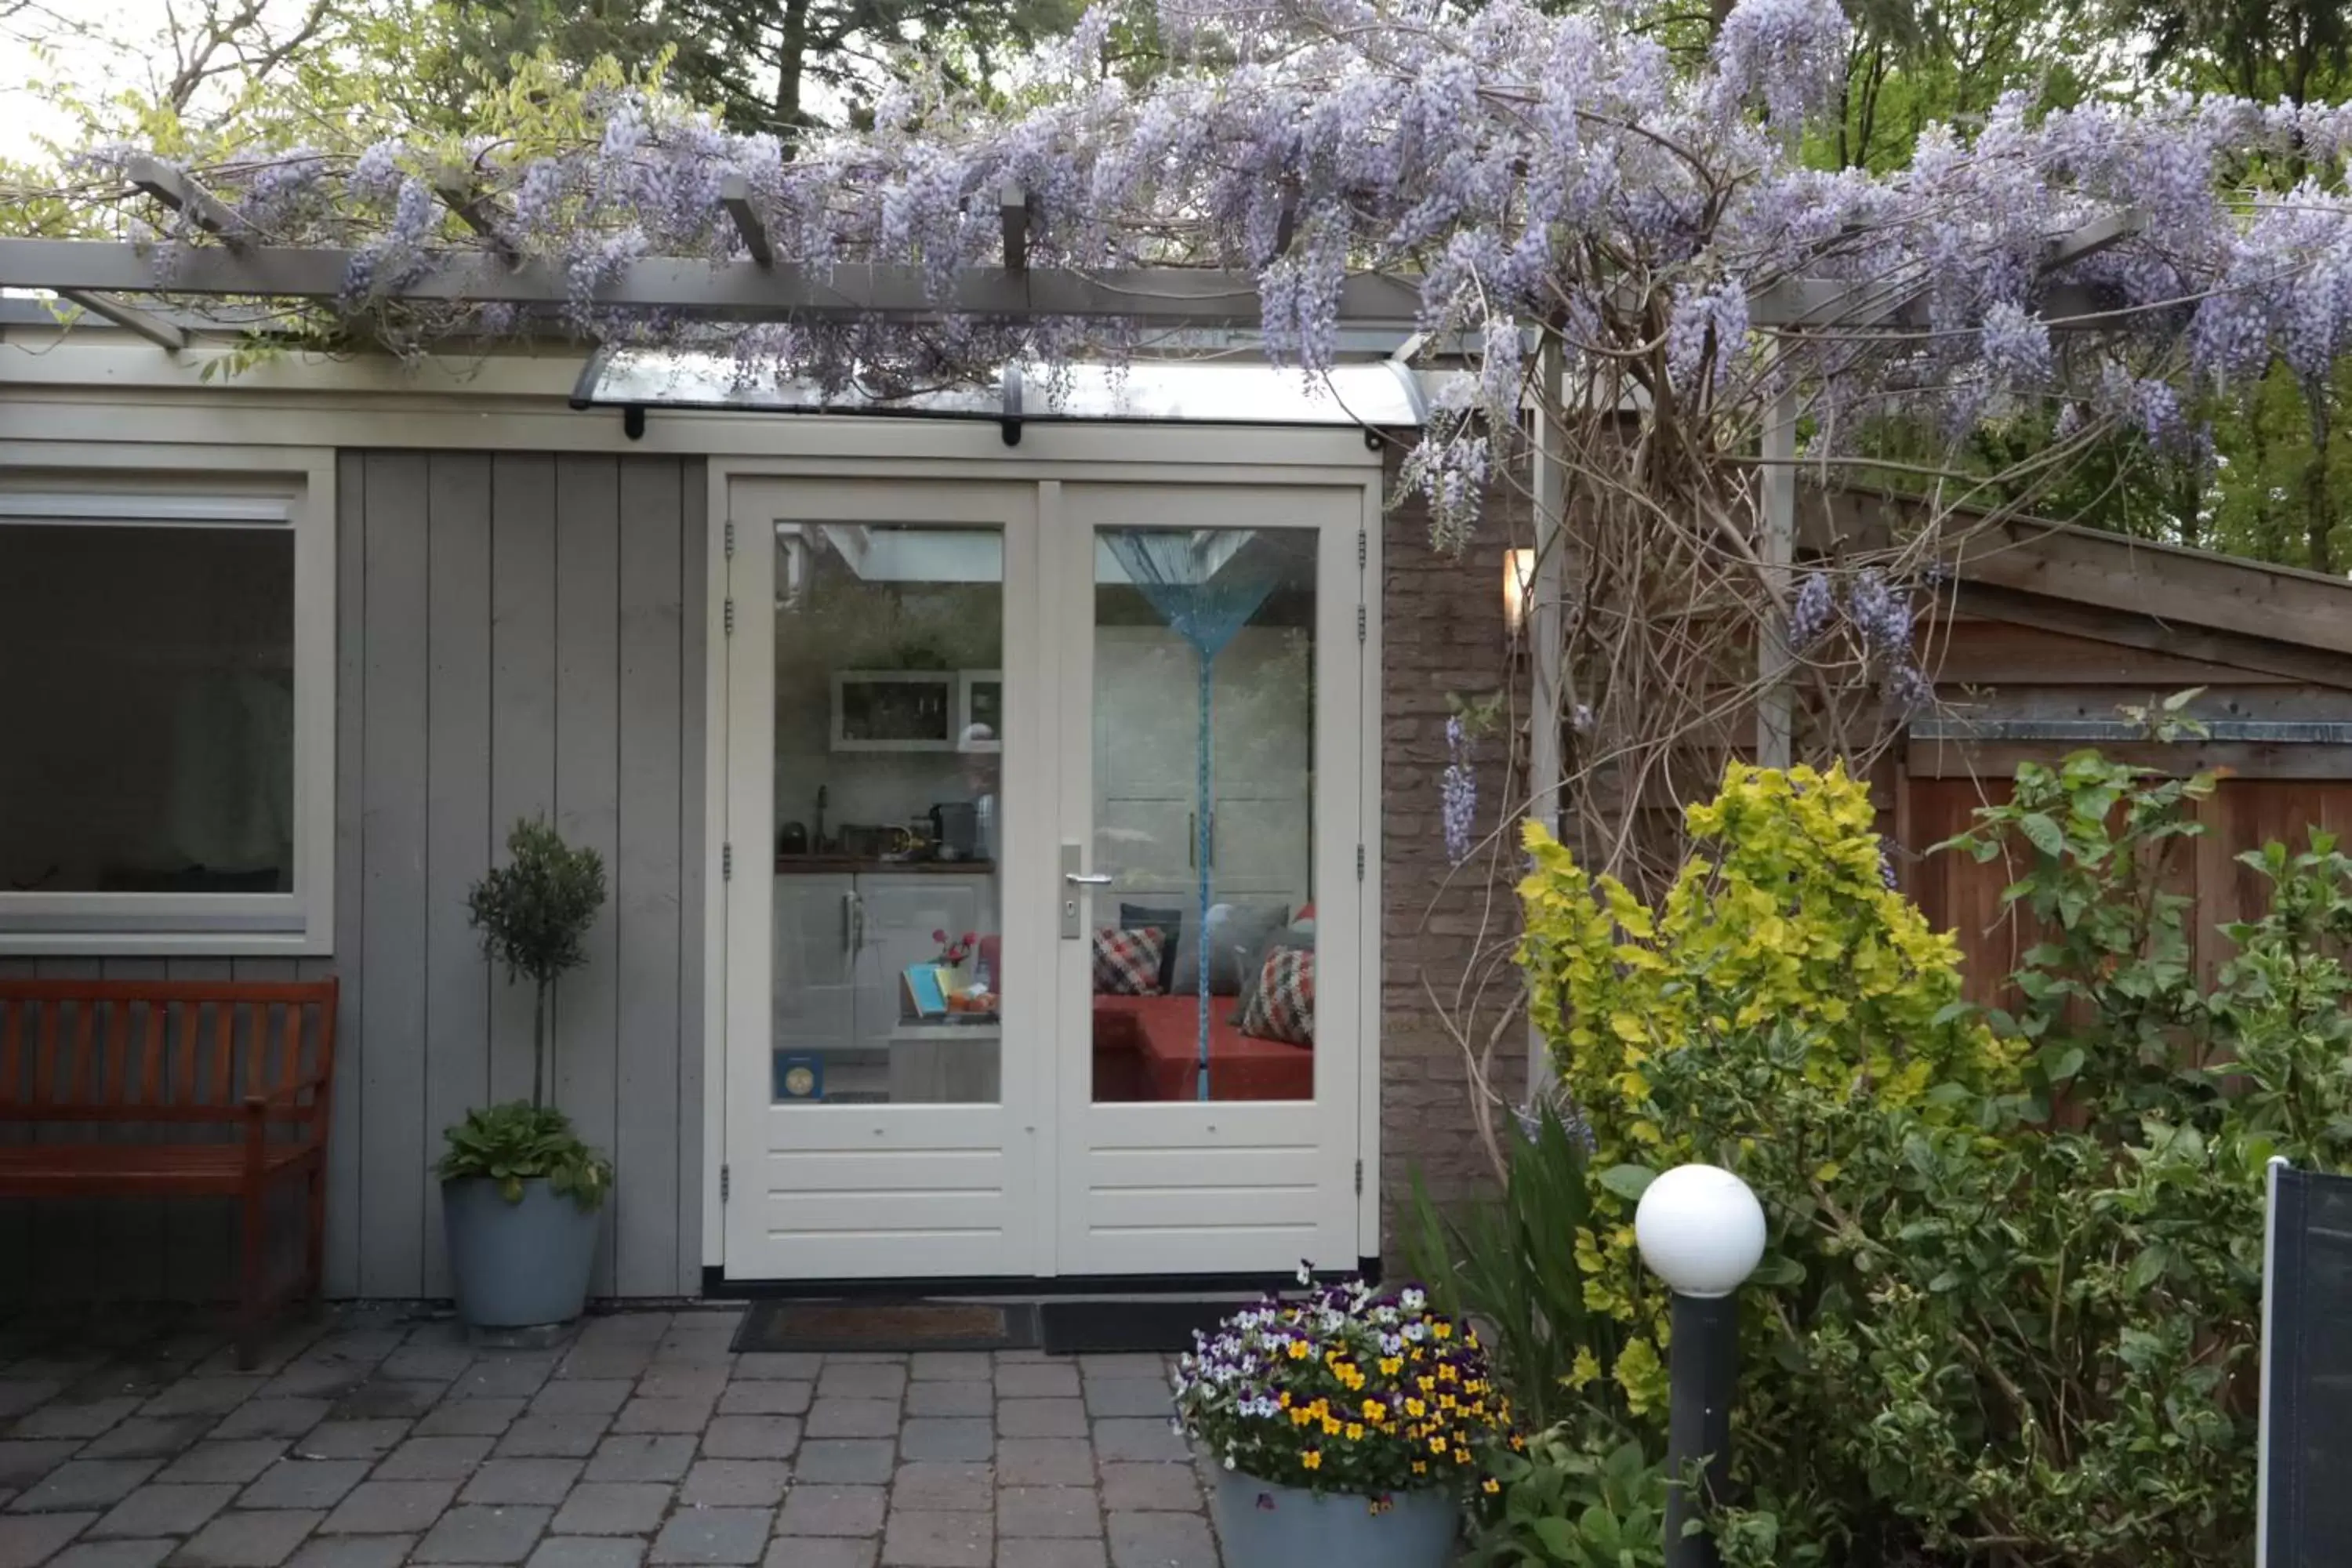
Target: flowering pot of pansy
x=1345 y=1426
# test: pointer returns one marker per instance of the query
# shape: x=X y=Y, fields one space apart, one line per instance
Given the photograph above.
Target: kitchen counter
x=833 y=865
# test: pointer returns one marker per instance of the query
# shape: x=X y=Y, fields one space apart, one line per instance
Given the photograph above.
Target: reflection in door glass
x=889 y=641
x=1205 y=785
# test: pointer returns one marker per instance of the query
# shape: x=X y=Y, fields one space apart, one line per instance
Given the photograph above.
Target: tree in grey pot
x=519 y=1191
x=1346 y=1427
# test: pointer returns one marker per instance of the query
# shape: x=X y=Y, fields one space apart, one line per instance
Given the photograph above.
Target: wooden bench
x=173 y=1088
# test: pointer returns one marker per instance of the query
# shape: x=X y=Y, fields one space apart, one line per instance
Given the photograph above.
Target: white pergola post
x=1547 y=594
x=1775 y=700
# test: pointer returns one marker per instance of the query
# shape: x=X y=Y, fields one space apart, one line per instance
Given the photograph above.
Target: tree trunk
x=792 y=55
x=2318 y=521
x=538 y=1046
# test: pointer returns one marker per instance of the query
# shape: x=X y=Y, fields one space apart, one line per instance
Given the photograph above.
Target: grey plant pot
x=1264 y=1525
x=519 y=1265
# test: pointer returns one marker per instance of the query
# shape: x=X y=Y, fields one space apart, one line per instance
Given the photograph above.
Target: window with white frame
x=167 y=749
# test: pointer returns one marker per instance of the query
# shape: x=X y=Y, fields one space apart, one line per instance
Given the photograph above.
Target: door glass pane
x=150 y=709
x=1203 y=812
x=887 y=912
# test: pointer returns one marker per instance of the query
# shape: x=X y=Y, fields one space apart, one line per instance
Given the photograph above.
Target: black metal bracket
x=632 y=422
x=1009 y=422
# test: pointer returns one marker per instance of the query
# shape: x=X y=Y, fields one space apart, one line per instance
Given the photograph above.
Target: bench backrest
x=140 y=1051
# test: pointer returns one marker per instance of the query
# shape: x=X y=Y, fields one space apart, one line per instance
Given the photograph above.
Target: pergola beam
x=735 y=195
x=184 y=194
x=459 y=192
x=131 y=318
x=1013 y=211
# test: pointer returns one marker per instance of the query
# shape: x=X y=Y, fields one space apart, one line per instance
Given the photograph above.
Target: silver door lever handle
x=1083 y=879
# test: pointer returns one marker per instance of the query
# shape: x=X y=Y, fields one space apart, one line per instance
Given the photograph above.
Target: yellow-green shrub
x=1779 y=962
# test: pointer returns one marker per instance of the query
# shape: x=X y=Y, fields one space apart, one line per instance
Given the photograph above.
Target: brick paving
x=375 y=1439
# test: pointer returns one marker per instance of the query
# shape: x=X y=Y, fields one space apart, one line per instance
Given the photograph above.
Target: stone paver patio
x=374 y=1439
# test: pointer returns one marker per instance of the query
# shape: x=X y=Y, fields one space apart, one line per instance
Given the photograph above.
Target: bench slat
x=151 y=1072
x=225 y=1050
x=45 y=1058
x=118 y=1054
x=188 y=1013
x=12 y=1061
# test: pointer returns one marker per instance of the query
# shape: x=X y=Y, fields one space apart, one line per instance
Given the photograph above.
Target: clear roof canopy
x=1384 y=393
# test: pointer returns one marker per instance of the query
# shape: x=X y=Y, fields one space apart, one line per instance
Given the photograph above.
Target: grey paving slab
x=433 y=1460
x=918 y=1539
x=203 y=1396
x=949 y=1366
x=819 y=1510
x=328 y=1380
x=642 y=1415
x=613 y=1507
x=1172 y=1488
x=148 y=1438
x=379 y=1400
x=760 y=1366
x=388 y=1508
x=1121 y=1437
x=19 y=1394
x=1039 y=1552
x=576 y=1396
x=587 y=1552
x=713 y=1535
x=238 y=1459
x=1129 y=1396
x=241 y=1539
x=934 y=1487
x=851 y=1461
x=84 y=1483
x=1041 y=1417
x=821 y=1552
x=1037 y=1380
x=23 y=1462
x=947 y=1438
x=350 y=1439
x=1139 y=1366
x=1046 y=1461
x=735 y=1483
x=1161 y=1541
x=569 y=1436
x=1048 y=1510
x=603 y=1362
x=473 y=1533
x=861 y=1380
x=154 y=1510
x=267 y=1417
x=304 y=1483
x=84 y=1419
x=705 y=1383
x=641 y=1459
x=470 y=1417
x=353 y=1552
x=120 y=1553
x=751 y=1437
x=966 y=1398
x=779 y=1397
x=853 y=1417
x=522 y=1481
x=27 y=1539
x=427 y=1362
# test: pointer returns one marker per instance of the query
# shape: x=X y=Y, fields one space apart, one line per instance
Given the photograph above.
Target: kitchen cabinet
x=843 y=938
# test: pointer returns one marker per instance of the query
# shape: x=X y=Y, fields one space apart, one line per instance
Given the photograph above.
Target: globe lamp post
x=1701 y=1230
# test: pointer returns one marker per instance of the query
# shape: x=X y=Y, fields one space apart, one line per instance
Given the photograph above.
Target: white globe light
x=1700 y=1230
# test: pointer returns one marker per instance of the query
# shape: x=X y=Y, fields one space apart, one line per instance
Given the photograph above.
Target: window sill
x=166 y=945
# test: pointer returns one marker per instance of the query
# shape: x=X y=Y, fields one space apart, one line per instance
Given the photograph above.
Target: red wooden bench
x=203 y=1089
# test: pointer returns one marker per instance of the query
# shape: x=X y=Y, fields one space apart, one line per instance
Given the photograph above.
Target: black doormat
x=1116 y=1327
x=887 y=1326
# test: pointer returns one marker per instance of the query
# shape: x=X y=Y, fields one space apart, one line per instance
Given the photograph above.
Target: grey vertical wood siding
x=516 y=634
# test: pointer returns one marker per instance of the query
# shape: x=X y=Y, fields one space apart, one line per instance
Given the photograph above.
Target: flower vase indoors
x=1346 y=1427
x=519 y=1191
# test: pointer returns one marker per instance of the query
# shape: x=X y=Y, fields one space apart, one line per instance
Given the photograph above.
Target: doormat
x=1117 y=1328
x=887 y=1326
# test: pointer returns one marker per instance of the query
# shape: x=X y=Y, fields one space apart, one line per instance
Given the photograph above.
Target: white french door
x=1057 y=718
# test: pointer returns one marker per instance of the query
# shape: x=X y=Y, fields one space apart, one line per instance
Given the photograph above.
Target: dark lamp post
x=1701 y=1231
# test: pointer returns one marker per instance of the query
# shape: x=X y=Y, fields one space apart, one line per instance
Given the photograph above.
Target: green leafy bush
x=2009 y=1305
x=1576 y=1497
x=520 y=1141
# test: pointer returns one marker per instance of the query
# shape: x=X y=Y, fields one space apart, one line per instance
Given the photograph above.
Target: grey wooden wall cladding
x=516 y=634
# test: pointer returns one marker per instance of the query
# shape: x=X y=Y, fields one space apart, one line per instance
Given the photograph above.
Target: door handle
x=1084 y=879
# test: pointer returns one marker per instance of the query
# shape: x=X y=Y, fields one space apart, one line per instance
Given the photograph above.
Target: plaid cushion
x=1283 y=1008
x=1127 y=963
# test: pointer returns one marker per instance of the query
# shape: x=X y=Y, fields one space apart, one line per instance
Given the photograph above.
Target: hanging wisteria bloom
x=1458 y=790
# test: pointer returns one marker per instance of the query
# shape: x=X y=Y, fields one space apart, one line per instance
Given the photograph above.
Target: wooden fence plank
x=344 y=1136
x=694 y=555
x=522 y=707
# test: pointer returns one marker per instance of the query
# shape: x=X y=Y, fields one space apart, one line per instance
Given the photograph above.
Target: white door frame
x=1173 y=456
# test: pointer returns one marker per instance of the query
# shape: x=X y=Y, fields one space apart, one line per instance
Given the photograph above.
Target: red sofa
x=1148 y=1048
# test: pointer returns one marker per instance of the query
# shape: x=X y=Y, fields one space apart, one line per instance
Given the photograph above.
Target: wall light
x=1518 y=587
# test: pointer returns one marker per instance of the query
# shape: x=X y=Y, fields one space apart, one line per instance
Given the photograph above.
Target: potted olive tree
x=519 y=1191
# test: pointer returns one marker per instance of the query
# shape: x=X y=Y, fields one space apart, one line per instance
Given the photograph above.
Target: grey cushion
x=1236 y=931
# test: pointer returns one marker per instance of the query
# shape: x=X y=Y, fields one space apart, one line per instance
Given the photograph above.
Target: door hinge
x=731 y=618
x=727 y=1180
x=1362 y=617
x=1363 y=547
x=730 y=540
x=1359 y=862
x=726 y=862
x=1359 y=1180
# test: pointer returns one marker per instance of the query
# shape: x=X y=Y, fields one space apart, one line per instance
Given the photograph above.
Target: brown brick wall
x=1446 y=931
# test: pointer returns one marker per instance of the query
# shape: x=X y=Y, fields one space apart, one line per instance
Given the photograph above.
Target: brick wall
x=1446 y=932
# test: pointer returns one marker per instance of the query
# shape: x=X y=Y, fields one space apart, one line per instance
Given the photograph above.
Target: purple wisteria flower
x=1458 y=791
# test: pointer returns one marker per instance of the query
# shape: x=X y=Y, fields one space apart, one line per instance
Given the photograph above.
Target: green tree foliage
x=534 y=913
